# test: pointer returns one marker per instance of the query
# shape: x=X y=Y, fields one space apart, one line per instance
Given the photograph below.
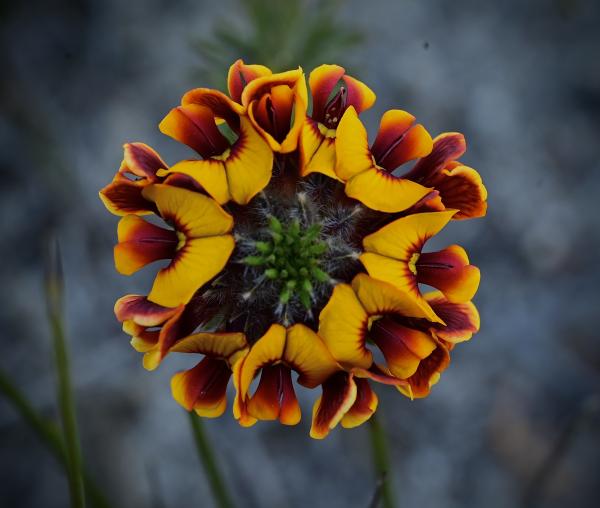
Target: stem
x=209 y=463
x=54 y=291
x=381 y=462
x=49 y=434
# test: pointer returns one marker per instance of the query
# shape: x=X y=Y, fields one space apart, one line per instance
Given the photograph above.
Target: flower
x=293 y=251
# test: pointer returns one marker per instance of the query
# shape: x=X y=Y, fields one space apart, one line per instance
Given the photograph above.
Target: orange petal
x=141 y=243
x=461 y=187
x=240 y=75
x=360 y=96
x=203 y=387
x=141 y=160
x=399 y=140
x=449 y=271
x=139 y=309
x=122 y=197
x=462 y=319
x=221 y=106
x=364 y=406
x=427 y=374
x=447 y=147
x=339 y=395
x=228 y=346
x=195 y=126
x=322 y=81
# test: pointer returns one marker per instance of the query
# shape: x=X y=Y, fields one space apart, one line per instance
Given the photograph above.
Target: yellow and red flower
x=293 y=251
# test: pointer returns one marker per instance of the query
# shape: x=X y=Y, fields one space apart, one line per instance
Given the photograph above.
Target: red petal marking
x=274 y=397
x=392 y=131
x=206 y=383
x=142 y=311
x=446 y=270
x=322 y=88
x=141 y=243
x=400 y=345
x=215 y=101
x=195 y=126
x=184 y=182
x=460 y=187
x=435 y=363
x=282 y=98
x=446 y=147
x=142 y=161
x=364 y=405
x=125 y=196
x=462 y=319
x=336 y=393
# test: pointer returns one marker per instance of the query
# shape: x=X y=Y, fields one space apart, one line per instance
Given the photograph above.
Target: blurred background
x=515 y=420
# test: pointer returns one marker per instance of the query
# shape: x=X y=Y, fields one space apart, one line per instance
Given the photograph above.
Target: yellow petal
x=352 y=147
x=307 y=354
x=196 y=263
x=343 y=326
x=268 y=349
x=222 y=345
x=405 y=236
x=317 y=150
x=196 y=215
x=378 y=297
x=209 y=173
x=250 y=164
x=384 y=192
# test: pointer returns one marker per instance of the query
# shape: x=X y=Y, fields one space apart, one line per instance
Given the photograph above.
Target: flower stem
x=381 y=462
x=207 y=457
x=49 y=435
x=66 y=403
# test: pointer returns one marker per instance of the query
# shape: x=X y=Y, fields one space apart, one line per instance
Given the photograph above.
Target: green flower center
x=291 y=258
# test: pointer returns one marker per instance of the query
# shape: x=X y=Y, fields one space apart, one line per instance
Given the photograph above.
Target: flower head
x=294 y=251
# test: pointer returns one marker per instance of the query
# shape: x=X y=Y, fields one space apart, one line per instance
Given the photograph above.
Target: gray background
x=520 y=79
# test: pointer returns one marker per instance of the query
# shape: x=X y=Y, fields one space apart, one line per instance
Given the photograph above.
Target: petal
x=195 y=126
x=307 y=354
x=343 y=326
x=142 y=341
x=275 y=397
x=240 y=409
x=399 y=140
x=209 y=173
x=364 y=406
x=262 y=85
x=240 y=75
x=198 y=261
x=141 y=160
x=461 y=187
x=194 y=214
x=404 y=237
x=447 y=147
x=360 y=96
x=249 y=165
x=339 y=395
x=141 y=243
x=449 y=271
x=402 y=347
x=203 y=387
x=268 y=349
x=462 y=319
x=351 y=146
x=384 y=192
x=228 y=346
x=122 y=197
x=317 y=150
x=427 y=374
x=322 y=81
x=139 y=309
x=222 y=107
x=378 y=297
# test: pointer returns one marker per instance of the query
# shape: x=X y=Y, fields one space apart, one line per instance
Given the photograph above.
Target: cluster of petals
x=380 y=326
